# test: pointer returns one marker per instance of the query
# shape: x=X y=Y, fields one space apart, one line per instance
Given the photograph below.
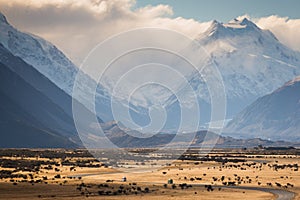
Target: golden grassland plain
x=74 y=174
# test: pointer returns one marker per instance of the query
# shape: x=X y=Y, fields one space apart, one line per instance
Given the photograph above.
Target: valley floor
x=223 y=174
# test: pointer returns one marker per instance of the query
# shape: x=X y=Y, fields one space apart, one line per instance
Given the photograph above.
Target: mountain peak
x=232 y=28
x=215 y=28
x=245 y=23
x=215 y=22
x=3 y=19
x=248 y=23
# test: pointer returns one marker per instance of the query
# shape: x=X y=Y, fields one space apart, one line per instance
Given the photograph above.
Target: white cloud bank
x=76 y=26
x=285 y=29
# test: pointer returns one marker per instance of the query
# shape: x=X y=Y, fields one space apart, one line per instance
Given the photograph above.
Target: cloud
x=285 y=29
x=77 y=26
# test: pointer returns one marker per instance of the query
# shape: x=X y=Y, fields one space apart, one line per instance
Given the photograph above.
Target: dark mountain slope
x=275 y=116
x=28 y=117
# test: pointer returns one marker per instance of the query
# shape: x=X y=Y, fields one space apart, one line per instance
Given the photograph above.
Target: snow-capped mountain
x=252 y=63
x=275 y=116
x=251 y=60
x=45 y=57
x=51 y=62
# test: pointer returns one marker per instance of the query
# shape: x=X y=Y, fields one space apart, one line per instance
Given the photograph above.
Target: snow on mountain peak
x=233 y=28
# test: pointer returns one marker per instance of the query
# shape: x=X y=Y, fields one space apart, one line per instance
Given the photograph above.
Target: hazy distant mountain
x=201 y=139
x=275 y=116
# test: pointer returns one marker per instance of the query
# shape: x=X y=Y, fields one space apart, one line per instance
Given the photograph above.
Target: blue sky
x=225 y=10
